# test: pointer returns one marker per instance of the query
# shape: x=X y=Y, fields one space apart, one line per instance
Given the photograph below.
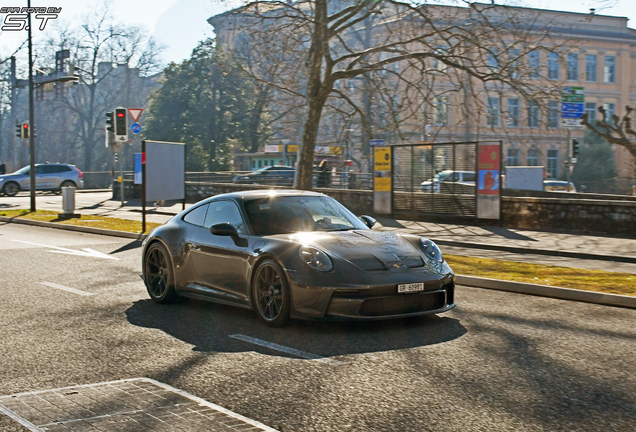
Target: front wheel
x=159 y=276
x=65 y=183
x=11 y=189
x=271 y=294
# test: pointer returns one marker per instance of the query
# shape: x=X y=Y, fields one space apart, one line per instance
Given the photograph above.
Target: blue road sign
x=137 y=167
x=376 y=143
x=572 y=107
x=135 y=128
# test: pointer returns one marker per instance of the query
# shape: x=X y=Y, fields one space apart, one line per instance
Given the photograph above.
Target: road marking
x=87 y=251
x=282 y=348
x=65 y=288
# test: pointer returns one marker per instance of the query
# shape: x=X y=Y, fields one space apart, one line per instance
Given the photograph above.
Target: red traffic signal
x=120 y=114
x=25 y=131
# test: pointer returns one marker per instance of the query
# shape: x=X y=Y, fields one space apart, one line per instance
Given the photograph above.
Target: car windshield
x=23 y=170
x=440 y=176
x=289 y=214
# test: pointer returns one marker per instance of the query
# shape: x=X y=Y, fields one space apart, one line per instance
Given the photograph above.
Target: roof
x=264 y=193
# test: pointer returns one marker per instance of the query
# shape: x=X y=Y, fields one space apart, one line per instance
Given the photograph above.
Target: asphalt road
x=498 y=362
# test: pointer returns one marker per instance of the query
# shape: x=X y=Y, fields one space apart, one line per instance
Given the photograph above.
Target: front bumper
x=371 y=303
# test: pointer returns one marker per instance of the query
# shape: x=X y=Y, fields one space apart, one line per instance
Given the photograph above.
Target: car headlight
x=431 y=250
x=315 y=258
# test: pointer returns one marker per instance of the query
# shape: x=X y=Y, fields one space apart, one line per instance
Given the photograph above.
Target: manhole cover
x=139 y=404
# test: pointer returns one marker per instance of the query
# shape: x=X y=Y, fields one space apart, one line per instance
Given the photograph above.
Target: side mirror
x=368 y=220
x=223 y=229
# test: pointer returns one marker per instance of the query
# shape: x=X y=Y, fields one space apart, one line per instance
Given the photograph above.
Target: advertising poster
x=488 y=167
x=382 y=169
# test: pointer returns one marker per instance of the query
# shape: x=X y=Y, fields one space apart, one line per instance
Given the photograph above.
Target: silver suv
x=51 y=177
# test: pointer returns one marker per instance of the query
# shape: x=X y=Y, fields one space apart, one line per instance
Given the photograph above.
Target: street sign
x=135 y=113
x=573 y=94
x=135 y=128
x=376 y=143
x=571 y=123
x=572 y=107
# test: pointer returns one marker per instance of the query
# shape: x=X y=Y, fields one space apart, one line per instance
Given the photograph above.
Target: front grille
x=403 y=304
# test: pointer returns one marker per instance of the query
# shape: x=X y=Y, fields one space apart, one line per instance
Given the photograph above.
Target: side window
x=197 y=216
x=225 y=211
x=469 y=177
x=40 y=169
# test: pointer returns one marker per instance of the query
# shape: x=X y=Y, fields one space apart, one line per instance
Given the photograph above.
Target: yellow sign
x=382 y=169
x=335 y=150
x=291 y=148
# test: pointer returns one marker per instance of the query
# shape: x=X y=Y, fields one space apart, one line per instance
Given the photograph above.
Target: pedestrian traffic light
x=25 y=131
x=18 y=130
x=121 y=124
x=109 y=122
x=575 y=147
x=116 y=158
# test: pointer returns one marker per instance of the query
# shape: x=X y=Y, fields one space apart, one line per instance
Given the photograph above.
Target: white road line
x=87 y=251
x=65 y=288
x=282 y=348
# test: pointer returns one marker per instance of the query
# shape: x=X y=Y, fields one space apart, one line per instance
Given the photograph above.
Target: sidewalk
x=467 y=236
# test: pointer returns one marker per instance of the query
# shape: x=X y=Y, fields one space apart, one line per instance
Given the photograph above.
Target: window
x=610 y=110
x=553 y=66
x=573 y=67
x=224 y=211
x=609 y=69
x=196 y=216
x=40 y=169
x=491 y=62
x=534 y=117
x=533 y=157
x=553 y=114
x=468 y=177
x=513 y=157
x=253 y=164
x=260 y=164
x=441 y=110
x=534 y=63
x=513 y=112
x=590 y=110
x=553 y=163
x=590 y=67
x=492 y=118
x=513 y=71
x=438 y=65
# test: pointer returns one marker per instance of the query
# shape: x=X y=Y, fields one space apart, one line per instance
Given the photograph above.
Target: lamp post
x=32 y=184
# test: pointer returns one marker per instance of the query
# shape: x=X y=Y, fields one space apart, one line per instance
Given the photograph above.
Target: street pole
x=567 y=167
x=14 y=146
x=31 y=118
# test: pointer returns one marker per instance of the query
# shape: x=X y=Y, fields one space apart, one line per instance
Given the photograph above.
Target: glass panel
x=224 y=211
x=513 y=113
x=196 y=216
x=553 y=66
x=573 y=67
x=590 y=68
x=493 y=112
x=609 y=69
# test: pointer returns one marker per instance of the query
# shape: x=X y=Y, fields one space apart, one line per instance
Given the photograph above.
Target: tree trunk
x=304 y=169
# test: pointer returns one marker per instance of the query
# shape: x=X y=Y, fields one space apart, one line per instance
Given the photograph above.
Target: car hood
x=366 y=249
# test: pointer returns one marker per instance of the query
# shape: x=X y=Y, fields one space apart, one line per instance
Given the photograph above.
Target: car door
x=222 y=261
x=45 y=176
x=186 y=270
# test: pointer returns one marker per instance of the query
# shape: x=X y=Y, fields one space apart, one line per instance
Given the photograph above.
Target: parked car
x=294 y=254
x=272 y=175
x=558 y=186
x=52 y=177
x=448 y=177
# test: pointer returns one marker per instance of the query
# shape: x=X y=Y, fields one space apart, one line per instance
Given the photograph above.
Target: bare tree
x=615 y=130
x=329 y=42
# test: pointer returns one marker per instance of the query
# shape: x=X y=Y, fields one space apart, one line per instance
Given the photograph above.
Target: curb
x=89 y=230
x=548 y=291
x=550 y=252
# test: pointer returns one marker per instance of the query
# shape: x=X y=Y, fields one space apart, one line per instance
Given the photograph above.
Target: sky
x=180 y=24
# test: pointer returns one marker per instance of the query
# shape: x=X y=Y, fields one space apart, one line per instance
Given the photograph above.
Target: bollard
x=68 y=204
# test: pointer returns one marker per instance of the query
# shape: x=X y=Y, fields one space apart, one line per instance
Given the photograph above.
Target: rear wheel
x=159 y=276
x=65 y=183
x=271 y=294
x=11 y=189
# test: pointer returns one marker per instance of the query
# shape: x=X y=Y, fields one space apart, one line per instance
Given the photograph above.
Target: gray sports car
x=294 y=254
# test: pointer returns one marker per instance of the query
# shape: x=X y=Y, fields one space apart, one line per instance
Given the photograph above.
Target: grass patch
x=86 y=220
x=566 y=277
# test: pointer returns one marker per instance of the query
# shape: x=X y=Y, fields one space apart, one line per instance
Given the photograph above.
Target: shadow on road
x=207 y=327
x=506 y=233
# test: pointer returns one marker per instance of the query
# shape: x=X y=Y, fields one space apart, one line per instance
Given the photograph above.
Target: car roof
x=262 y=193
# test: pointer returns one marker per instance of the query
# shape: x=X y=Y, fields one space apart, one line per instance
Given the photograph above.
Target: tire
x=11 y=189
x=65 y=183
x=158 y=274
x=270 y=292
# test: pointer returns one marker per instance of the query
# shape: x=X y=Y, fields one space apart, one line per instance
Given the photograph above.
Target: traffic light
x=109 y=122
x=25 y=131
x=18 y=130
x=116 y=158
x=121 y=124
x=575 y=147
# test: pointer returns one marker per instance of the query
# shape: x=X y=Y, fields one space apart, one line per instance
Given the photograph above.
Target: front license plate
x=409 y=288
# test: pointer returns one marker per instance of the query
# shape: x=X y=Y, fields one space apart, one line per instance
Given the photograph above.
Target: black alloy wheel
x=271 y=294
x=11 y=189
x=159 y=282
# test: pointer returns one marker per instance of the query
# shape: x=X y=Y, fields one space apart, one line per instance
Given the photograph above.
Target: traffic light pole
x=32 y=184
x=569 y=164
